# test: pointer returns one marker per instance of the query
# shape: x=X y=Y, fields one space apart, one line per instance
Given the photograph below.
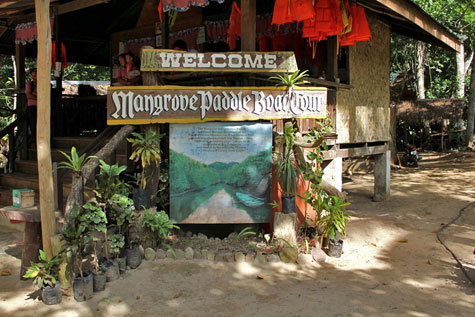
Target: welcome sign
x=170 y=60
x=181 y=104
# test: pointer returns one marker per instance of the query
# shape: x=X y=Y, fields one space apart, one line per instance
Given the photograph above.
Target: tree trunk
x=76 y=195
x=460 y=93
x=471 y=111
x=45 y=165
x=152 y=170
x=421 y=94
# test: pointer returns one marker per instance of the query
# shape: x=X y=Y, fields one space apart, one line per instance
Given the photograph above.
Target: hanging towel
x=303 y=9
x=360 y=29
x=234 y=30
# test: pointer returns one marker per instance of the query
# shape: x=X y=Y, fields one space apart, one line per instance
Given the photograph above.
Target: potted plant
x=287 y=169
x=95 y=220
x=158 y=224
x=146 y=150
x=45 y=276
x=116 y=243
x=333 y=224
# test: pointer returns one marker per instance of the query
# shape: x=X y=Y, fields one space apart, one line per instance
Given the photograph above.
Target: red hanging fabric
x=234 y=26
x=360 y=29
x=303 y=9
x=160 y=10
x=283 y=12
x=325 y=22
x=262 y=43
x=64 y=62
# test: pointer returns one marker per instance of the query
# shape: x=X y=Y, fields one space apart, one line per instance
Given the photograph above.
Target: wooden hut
x=356 y=77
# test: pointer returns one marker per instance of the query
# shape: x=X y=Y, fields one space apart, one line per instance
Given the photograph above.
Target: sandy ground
x=393 y=264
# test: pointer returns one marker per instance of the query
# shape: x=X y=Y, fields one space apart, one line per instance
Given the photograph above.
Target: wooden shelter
x=357 y=77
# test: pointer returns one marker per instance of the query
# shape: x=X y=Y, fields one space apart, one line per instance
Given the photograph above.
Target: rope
x=450 y=251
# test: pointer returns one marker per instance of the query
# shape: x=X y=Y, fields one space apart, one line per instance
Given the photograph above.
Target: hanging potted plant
x=333 y=224
x=146 y=150
x=45 y=276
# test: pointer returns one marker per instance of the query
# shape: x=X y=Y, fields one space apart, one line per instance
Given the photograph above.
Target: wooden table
x=32 y=234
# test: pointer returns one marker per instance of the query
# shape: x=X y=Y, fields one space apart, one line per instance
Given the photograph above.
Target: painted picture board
x=220 y=172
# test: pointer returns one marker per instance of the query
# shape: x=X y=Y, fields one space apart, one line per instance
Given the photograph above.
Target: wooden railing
x=13 y=139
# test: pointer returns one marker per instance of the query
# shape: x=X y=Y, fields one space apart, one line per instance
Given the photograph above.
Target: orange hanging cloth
x=283 y=12
x=303 y=9
x=324 y=23
x=234 y=26
x=160 y=10
x=360 y=30
x=64 y=62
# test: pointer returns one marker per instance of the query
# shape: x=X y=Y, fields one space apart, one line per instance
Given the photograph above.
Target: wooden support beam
x=355 y=152
x=413 y=13
x=382 y=176
x=248 y=25
x=45 y=169
x=77 y=5
x=332 y=58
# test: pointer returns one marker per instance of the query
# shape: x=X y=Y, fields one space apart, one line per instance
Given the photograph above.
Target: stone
x=150 y=254
x=180 y=233
x=189 y=253
x=204 y=253
x=180 y=254
x=228 y=257
x=273 y=258
x=249 y=258
x=232 y=235
x=260 y=259
x=239 y=257
x=197 y=255
x=189 y=234
x=210 y=255
x=202 y=236
x=285 y=228
x=318 y=255
x=289 y=255
x=219 y=258
x=160 y=254
x=304 y=259
x=170 y=254
x=142 y=251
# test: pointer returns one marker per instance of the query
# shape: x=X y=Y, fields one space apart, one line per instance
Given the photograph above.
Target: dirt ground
x=392 y=265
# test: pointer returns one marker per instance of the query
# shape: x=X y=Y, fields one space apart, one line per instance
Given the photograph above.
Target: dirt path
x=393 y=264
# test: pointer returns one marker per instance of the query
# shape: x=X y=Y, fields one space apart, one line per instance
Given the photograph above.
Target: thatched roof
x=418 y=111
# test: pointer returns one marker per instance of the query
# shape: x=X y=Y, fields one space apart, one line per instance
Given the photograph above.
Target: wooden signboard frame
x=171 y=60
x=182 y=104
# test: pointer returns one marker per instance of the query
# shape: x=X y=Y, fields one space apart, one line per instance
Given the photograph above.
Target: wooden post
x=248 y=25
x=45 y=169
x=382 y=174
x=332 y=58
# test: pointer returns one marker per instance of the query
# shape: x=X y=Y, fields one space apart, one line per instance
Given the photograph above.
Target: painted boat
x=249 y=201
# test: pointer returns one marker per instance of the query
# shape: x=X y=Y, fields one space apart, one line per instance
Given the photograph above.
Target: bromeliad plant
x=287 y=168
x=74 y=161
x=45 y=272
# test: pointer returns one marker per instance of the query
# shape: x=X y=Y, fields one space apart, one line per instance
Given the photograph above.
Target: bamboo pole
x=43 y=142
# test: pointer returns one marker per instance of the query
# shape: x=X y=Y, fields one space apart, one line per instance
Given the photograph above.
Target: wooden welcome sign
x=181 y=104
x=170 y=60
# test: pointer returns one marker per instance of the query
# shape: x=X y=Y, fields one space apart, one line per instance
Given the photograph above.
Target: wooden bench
x=32 y=235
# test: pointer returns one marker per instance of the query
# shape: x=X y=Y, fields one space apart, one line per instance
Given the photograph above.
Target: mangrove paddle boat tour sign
x=171 y=60
x=220 y=172
x=181 y=104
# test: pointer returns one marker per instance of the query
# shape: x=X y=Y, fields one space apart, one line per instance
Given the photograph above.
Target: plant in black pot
x=333 y=223
x=146 y=150
x=95 y=220
x=287 y=169
x=116 y=243
x=45 y=276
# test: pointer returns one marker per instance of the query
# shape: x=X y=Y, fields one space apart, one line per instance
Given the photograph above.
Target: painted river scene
x=235 y=189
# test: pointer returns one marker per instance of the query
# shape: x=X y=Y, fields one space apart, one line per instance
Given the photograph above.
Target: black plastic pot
x=141 y=198
x=112 y=271
x=83 y=288
x=288 y=205
x=134 y=258
x=335 y=248
x=99 y=280
x=122 y=265
x=51 y=295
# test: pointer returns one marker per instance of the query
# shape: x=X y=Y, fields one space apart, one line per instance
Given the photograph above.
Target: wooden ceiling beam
x=77 y=5
x=420 y=18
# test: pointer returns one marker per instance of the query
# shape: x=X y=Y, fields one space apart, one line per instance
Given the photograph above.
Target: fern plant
x=158 y=223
